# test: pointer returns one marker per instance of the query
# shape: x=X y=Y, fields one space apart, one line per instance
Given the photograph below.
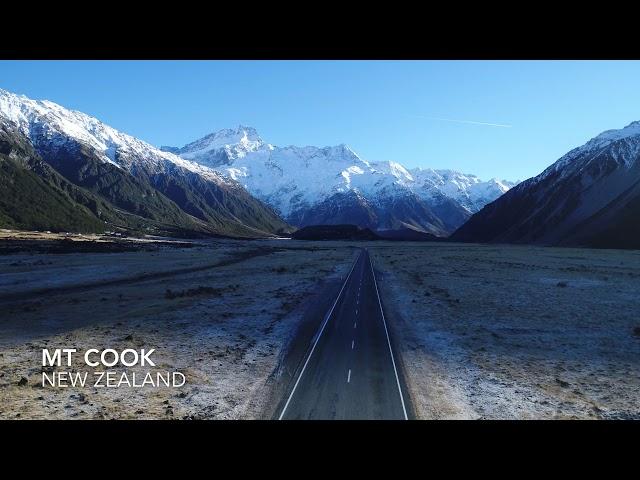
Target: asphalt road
x=350 y=372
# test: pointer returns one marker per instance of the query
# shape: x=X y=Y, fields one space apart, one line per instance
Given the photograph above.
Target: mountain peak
x=54 y=125
x=226 y=136
x=575 y=158
x=247 y=129
x=631 y=130
x=346 y=149
x=234 y=135
x=222 y=145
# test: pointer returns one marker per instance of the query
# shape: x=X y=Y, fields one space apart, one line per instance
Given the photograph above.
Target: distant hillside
x=408 y=235
x=34 y=196
x=334 y=232
x=334 y=185
x=589 y=197
x=65 y=170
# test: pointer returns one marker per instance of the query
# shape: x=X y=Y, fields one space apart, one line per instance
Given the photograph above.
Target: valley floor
x=516 y=332
x=223 y=318
x=481 y=331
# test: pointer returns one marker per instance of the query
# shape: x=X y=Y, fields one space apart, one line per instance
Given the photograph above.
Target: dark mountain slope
x=228 y=207
x=392 y=211
x=165 y=193
x=589 y=197
x=33 y=196
x=130 y=184
x=339 y=209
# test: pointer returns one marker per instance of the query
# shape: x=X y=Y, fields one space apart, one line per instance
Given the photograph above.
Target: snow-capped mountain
x=52 y=126
x=223 y=145
x=590 y=196
x=159 y=190
x=309 y=185
x=468 y=190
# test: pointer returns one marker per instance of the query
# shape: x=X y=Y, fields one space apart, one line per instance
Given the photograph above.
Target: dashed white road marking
x=354 y=324
x=326 y=320
x=352 y=344
x=349 y=377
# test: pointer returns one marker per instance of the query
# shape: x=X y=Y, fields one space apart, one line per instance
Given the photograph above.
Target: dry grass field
x=516 y=332
x=504 y=332
x=221 y=313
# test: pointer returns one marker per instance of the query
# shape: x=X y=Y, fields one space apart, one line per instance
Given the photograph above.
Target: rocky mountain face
x=589 y=197
x=120 y=181
x=34 y=196
x=334 y=185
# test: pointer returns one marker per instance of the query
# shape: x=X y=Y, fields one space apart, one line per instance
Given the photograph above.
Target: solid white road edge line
x=326 y=319
x=395 y=370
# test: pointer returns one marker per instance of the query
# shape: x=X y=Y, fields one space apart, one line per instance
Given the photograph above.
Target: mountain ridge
x=582 y=199
x=300 y=183
x=158 y=188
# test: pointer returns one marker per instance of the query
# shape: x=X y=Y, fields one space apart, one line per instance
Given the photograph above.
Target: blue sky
x=418 y=113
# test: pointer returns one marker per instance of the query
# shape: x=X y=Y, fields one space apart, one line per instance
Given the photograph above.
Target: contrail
x=502 y=125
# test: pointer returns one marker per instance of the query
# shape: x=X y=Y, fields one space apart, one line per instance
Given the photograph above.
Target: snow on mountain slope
x=625 y=149
x=468 y=190
x=222 y=146
x=300 y=183
x=287 y=178
x=46 y=122
x=590 y=196
x=295 y=179
x=159 y=188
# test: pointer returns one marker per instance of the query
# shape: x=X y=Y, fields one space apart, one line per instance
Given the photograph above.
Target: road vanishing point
x=350 y=372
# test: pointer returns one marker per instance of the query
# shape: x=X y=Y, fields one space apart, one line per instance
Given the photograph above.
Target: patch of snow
x=48 y=124
x=291 y=177
x=623 y=145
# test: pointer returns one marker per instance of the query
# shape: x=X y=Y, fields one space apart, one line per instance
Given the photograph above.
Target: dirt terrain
x=509 y=332
x=516 y=332
x=219 y=312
